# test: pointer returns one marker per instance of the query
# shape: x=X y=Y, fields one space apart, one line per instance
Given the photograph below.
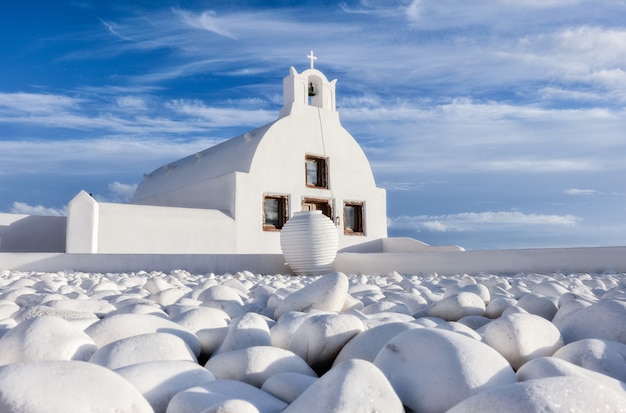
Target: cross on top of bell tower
x=312 y=58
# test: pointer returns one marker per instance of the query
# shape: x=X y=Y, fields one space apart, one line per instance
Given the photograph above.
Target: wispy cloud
x=470 y=221
x=579 y=192
x=23 y=208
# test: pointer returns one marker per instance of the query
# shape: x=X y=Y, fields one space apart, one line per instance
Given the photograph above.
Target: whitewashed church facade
x=234 y=198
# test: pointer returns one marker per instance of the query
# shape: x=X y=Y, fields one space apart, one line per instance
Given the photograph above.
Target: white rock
x=320 y=338
x=254 y=365
x=367 y=344
x=541 y=306
x=202 y=317
x=327 y=293
x=45 y=338
x=286 y=327
x=98 y=307
x=231 y=406
x=457 y=306
x=159 y=381
x=432 y=370
x=249 y=330
x=199 y=399
x=603 y=320
x=221 y=293
x=604 y=356
x=66 y=386
x=352 y=386
x=460 y=328
x=496 y=307
x=554 y=394
x=43 y=310
x=288 y=386
x=119 y=326
x=522 y=337
x=141 y=349
x=554 y=367
x=211 y=339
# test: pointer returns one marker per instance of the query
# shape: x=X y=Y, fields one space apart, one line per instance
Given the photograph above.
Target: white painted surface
x=31 y=233
x=82 y=224
x=443 y=263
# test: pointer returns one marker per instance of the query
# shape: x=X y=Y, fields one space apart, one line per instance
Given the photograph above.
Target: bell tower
x=309 y=88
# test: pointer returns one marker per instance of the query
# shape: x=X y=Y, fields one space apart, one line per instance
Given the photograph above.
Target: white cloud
x=23 y=208
x=577 y=192
x=469 y=221
x=36 y=103
x=120 y=192
x=131 y=102
x=206 y=20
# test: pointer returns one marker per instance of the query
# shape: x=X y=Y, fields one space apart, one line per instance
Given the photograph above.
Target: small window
x=317 y=204
x=316 y=172
x=275 y=212
x=353 y=218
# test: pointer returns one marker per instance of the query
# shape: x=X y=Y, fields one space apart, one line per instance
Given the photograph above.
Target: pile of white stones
x=246 y=343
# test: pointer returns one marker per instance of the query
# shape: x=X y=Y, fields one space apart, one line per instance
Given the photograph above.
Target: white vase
x=309 y=242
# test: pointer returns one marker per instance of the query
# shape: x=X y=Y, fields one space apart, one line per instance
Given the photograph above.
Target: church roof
x=233 y=155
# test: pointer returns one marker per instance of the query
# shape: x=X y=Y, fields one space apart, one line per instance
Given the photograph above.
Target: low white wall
x=442 y=262
x=495 y=261
x=31 y=233
x=141 y=229
x=194 y=263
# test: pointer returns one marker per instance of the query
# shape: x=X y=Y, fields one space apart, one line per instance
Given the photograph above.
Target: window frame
x=283 y=211
x=322 y=171
x=360 y=216
x=326 y=202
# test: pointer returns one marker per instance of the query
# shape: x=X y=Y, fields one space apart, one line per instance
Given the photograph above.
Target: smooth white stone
x=478 y=289
x=352 y=386
x=45 y=338
x=66 y=386
x=159 y=381
x=168 y=297
x=200 y=318
x=288 y=386
x=541 y=306
x=457 y=306
x=368 y=343
x=498 y=305
x=43 y=310
x=221 y=293
x=286 y=327
x=554 y=394
x=554 y=367
x=328 y=293
x=141 y=349
x=432 y=370
x=118 y=326
x=523 y=337
x=249 y=330
x=320 y=337
x=604 y=356
x=254 y=365
x=232 y=406
x=209 y=396
x=603 y=320
x=457 y=327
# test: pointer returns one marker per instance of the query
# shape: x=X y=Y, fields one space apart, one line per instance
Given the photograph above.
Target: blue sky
x=492 y=124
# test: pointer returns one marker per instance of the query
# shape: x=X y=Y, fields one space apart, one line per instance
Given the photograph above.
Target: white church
x=234 y=198
x=224 y=210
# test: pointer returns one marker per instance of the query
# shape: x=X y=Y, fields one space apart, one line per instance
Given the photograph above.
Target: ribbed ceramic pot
x=309 y=242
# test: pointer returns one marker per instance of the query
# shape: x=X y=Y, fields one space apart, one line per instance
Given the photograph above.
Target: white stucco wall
x=135 y=229
x=31 y=233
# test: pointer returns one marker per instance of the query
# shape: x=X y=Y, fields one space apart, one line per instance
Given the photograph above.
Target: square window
x=353 y=218
x=274 y=212
x=316 y=171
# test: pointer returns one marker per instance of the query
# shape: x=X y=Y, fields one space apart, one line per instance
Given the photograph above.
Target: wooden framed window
x=275 y=212
x=318 y=204
x=353 y=218
x=316 y=171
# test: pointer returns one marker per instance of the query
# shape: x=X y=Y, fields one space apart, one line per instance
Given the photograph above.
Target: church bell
x=311 y=89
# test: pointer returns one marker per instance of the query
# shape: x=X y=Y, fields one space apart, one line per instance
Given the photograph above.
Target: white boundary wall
x=442 y=262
